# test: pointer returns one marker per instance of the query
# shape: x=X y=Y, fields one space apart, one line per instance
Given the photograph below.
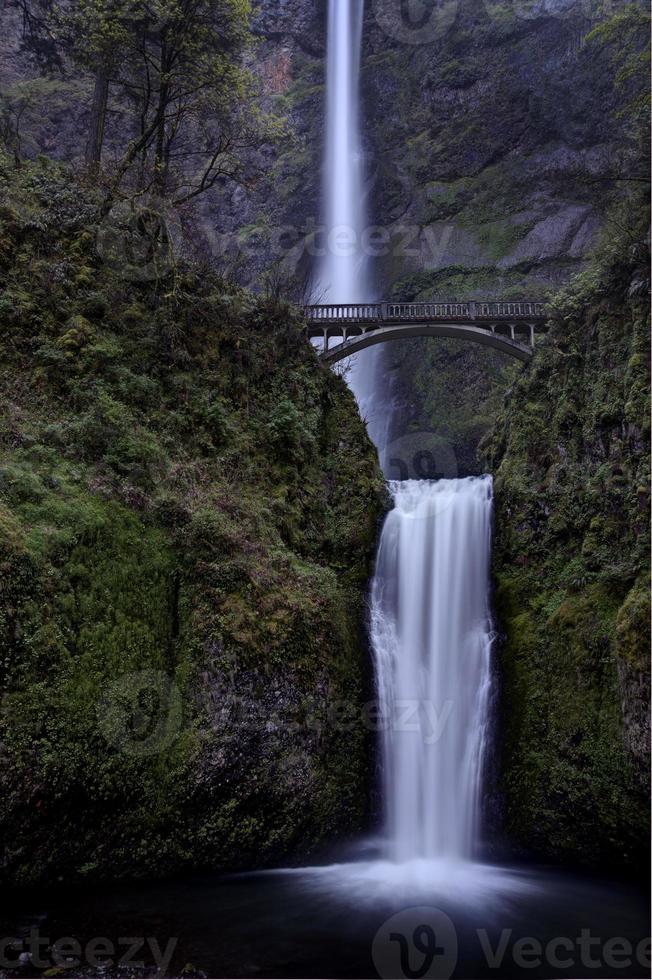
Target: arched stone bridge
x=509 y=327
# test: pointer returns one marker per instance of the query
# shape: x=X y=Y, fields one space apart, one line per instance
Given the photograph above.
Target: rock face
x=188 y=510
x=485 y=130
x=571 y=458
x=489 y=131
x=570 y=232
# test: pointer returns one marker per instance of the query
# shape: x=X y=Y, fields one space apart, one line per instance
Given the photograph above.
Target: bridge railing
x=505 y=310
x=346 y=312
x=426 y=311
x=383 y=312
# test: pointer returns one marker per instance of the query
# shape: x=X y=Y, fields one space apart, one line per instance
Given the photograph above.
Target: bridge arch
x=506 y=326
x=359 y=340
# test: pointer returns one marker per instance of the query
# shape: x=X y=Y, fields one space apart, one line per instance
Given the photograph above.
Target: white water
x=432 y=636
x=431 y=624
x=343 y=274
x=431 y=629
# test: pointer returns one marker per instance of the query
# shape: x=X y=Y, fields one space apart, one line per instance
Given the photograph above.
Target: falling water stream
x=343 y=274
x=431 y=630
x=432 y=636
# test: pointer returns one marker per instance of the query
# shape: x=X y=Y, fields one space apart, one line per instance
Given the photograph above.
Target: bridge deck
x=507 y=326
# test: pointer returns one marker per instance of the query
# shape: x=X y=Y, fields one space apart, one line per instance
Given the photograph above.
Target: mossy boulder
x=188 y=511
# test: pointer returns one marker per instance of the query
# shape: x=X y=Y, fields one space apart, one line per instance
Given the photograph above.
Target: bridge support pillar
x=531 y=326
x=511 y=331
x=325 y=341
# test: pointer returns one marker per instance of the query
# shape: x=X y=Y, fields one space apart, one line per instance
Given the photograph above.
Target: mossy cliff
x=188 y=507
x=499 y=133
x=571 y=460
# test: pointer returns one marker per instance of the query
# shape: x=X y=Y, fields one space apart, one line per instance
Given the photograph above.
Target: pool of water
x=365 y=918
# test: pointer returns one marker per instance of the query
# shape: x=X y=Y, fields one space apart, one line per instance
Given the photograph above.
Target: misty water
x=343 y=274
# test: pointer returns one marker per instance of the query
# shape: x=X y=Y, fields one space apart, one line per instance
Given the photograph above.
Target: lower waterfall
x=431 y=633
x=420 y=899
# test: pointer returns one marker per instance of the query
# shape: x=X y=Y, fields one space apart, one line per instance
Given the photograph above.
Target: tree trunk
x=98 y=117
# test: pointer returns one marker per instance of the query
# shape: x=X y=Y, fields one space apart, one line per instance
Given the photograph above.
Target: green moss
x=500 y=237
x=188 y=508
x=570 y=560
x=633 y=626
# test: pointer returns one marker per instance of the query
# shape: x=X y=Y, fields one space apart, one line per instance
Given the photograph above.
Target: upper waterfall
x=343 y=276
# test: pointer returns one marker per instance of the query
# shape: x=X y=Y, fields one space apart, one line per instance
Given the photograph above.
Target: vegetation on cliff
x=510 y=132
x=571 y=459
x=170 y=106
x=188 y=504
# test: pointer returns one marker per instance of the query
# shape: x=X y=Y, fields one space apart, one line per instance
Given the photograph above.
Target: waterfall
x=432 y=637
x=343 y=274
x=431 y=628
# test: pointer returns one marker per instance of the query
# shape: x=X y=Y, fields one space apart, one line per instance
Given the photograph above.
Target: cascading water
x=432 y=636
x=431 y=629
x=343 y=277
